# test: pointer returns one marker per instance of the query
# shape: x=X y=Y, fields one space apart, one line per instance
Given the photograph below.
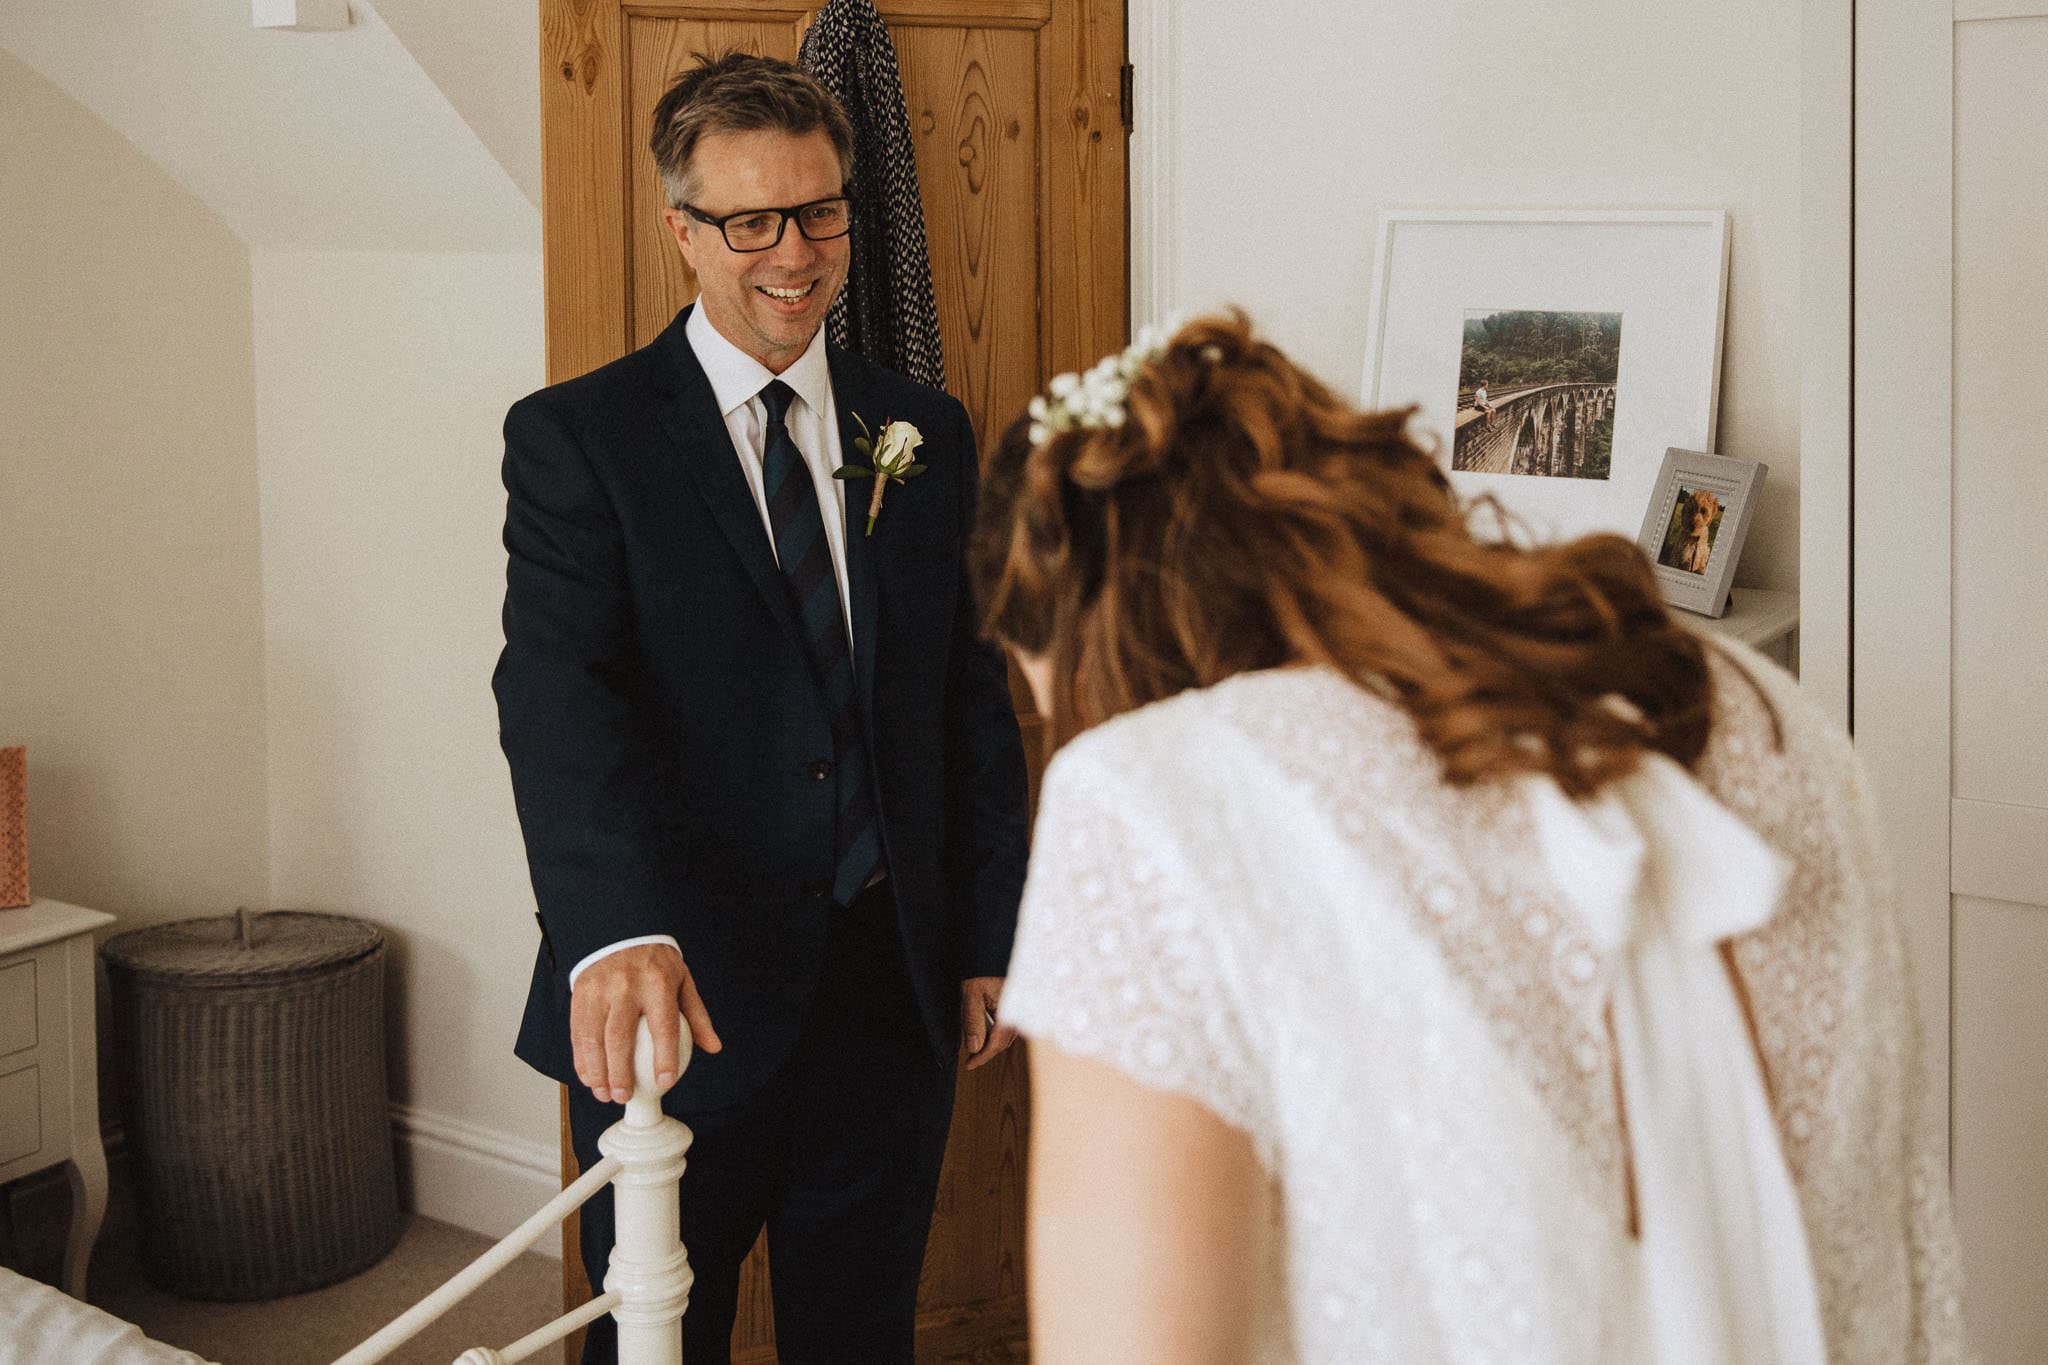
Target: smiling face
x=768 y=303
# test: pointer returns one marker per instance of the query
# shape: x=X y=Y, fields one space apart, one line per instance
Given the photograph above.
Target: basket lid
x=244 y=946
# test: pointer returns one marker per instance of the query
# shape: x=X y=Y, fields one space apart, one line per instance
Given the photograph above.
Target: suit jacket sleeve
x=988 y=820
x=587 y=774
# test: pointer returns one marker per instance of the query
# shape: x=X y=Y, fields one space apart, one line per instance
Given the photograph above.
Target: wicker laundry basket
x=251 y=1051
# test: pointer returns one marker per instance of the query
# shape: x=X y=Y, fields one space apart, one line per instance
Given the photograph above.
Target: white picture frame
x=1658 y=278
x=1699 y=515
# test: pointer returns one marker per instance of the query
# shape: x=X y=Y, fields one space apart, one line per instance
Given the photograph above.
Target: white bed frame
x=648 y=1285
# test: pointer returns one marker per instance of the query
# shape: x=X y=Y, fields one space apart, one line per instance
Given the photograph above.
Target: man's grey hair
x=740 y=93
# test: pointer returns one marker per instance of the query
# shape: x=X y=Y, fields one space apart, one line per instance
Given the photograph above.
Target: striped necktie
x=806 y=562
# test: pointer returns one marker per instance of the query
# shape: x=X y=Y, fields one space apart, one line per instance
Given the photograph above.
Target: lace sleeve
x=1842 y=1030
x=1119 y=958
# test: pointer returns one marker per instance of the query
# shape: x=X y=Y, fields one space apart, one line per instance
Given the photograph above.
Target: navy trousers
x=837 y=1156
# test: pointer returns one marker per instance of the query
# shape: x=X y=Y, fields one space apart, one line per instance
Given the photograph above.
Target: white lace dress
x=1479 y=1038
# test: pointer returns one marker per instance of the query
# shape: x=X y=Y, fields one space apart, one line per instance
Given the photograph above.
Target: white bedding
x=42 y=1326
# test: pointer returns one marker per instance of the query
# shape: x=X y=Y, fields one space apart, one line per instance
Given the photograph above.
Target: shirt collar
x=736 y=376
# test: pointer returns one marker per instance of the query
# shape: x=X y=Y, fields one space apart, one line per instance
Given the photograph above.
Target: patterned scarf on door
x=887 y=311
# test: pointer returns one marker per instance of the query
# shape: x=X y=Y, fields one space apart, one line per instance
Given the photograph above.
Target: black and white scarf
x=887 y=311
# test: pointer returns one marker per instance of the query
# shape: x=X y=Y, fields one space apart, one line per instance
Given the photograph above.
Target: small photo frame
x=1699 y=515
x=1554 y=353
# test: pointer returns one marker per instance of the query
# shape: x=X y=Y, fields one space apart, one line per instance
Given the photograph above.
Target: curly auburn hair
x=1244 y=517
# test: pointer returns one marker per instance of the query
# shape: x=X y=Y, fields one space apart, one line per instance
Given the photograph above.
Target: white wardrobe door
x=1950 y=593
x=1999 y=813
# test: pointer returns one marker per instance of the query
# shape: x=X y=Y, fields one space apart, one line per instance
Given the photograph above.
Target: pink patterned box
x=13 y=827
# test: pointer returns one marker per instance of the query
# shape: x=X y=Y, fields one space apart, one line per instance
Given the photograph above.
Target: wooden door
x=1950 y=627
x=1016 y=111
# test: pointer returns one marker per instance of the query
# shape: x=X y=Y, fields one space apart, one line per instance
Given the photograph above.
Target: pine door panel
x=972 y=98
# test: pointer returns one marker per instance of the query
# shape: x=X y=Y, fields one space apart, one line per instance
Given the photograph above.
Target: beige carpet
x=305 y=1329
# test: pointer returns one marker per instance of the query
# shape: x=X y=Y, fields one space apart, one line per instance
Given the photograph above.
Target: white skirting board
x=451 y=1171
x=473 y=1177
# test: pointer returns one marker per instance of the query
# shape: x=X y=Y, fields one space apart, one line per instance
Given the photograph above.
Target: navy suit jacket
x=664 y=732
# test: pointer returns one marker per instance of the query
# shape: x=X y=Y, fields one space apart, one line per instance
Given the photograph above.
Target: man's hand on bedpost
x=643 y=1107
x=613 y=996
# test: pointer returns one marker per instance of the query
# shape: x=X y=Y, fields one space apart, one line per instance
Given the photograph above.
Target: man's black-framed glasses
x=821 y=220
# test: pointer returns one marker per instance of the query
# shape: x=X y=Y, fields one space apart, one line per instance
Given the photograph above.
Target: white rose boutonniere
x=892 y=458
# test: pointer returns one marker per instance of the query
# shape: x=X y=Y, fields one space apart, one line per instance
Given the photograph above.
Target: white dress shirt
x=813 y=422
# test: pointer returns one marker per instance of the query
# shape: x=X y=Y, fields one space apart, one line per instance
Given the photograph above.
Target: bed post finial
x=643 y=1110
x=649 y=1270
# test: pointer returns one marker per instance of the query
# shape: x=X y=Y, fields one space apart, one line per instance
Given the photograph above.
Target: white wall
x=381 y=383
x=1316 y=115
x=131 y=655
x=240 y=456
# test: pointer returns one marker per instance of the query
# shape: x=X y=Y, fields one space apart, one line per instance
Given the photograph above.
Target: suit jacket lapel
x=849 y=396
x=693 y=422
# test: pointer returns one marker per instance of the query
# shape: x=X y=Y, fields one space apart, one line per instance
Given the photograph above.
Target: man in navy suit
x=768 y=773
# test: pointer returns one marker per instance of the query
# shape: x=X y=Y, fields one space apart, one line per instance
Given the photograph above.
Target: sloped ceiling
x=485 y=56
x=328 y=140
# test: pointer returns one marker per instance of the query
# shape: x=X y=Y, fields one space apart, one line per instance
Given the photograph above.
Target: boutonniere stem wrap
x=891 y=458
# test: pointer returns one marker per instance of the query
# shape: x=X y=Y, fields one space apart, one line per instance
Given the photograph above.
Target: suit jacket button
x=814 y=891
x=821 y=770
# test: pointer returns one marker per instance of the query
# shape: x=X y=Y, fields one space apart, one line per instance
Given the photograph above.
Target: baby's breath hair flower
x=1094 y=400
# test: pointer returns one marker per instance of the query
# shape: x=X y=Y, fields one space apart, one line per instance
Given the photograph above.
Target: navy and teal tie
x=806 y=562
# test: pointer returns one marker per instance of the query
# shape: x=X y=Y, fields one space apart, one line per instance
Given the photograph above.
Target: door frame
x=1827 y=131
x=1878 y=107
x=1149 y=48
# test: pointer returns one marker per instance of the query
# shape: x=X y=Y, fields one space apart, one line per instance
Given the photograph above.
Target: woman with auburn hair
x=1431 y=951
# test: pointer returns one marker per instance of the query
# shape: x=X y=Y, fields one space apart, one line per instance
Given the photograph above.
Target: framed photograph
x=1698 y=517
x=1555 y=354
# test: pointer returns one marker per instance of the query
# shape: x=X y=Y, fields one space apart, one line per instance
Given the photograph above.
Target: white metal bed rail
x=648 y=1285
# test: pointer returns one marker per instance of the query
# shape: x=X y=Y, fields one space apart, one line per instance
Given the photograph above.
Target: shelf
x=1760 y=617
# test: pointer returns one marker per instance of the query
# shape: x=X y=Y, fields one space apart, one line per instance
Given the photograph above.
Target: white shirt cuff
x=611 y=948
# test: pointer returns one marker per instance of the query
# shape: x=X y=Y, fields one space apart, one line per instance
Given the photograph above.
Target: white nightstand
x=49 y=1071
x=1767 y=619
